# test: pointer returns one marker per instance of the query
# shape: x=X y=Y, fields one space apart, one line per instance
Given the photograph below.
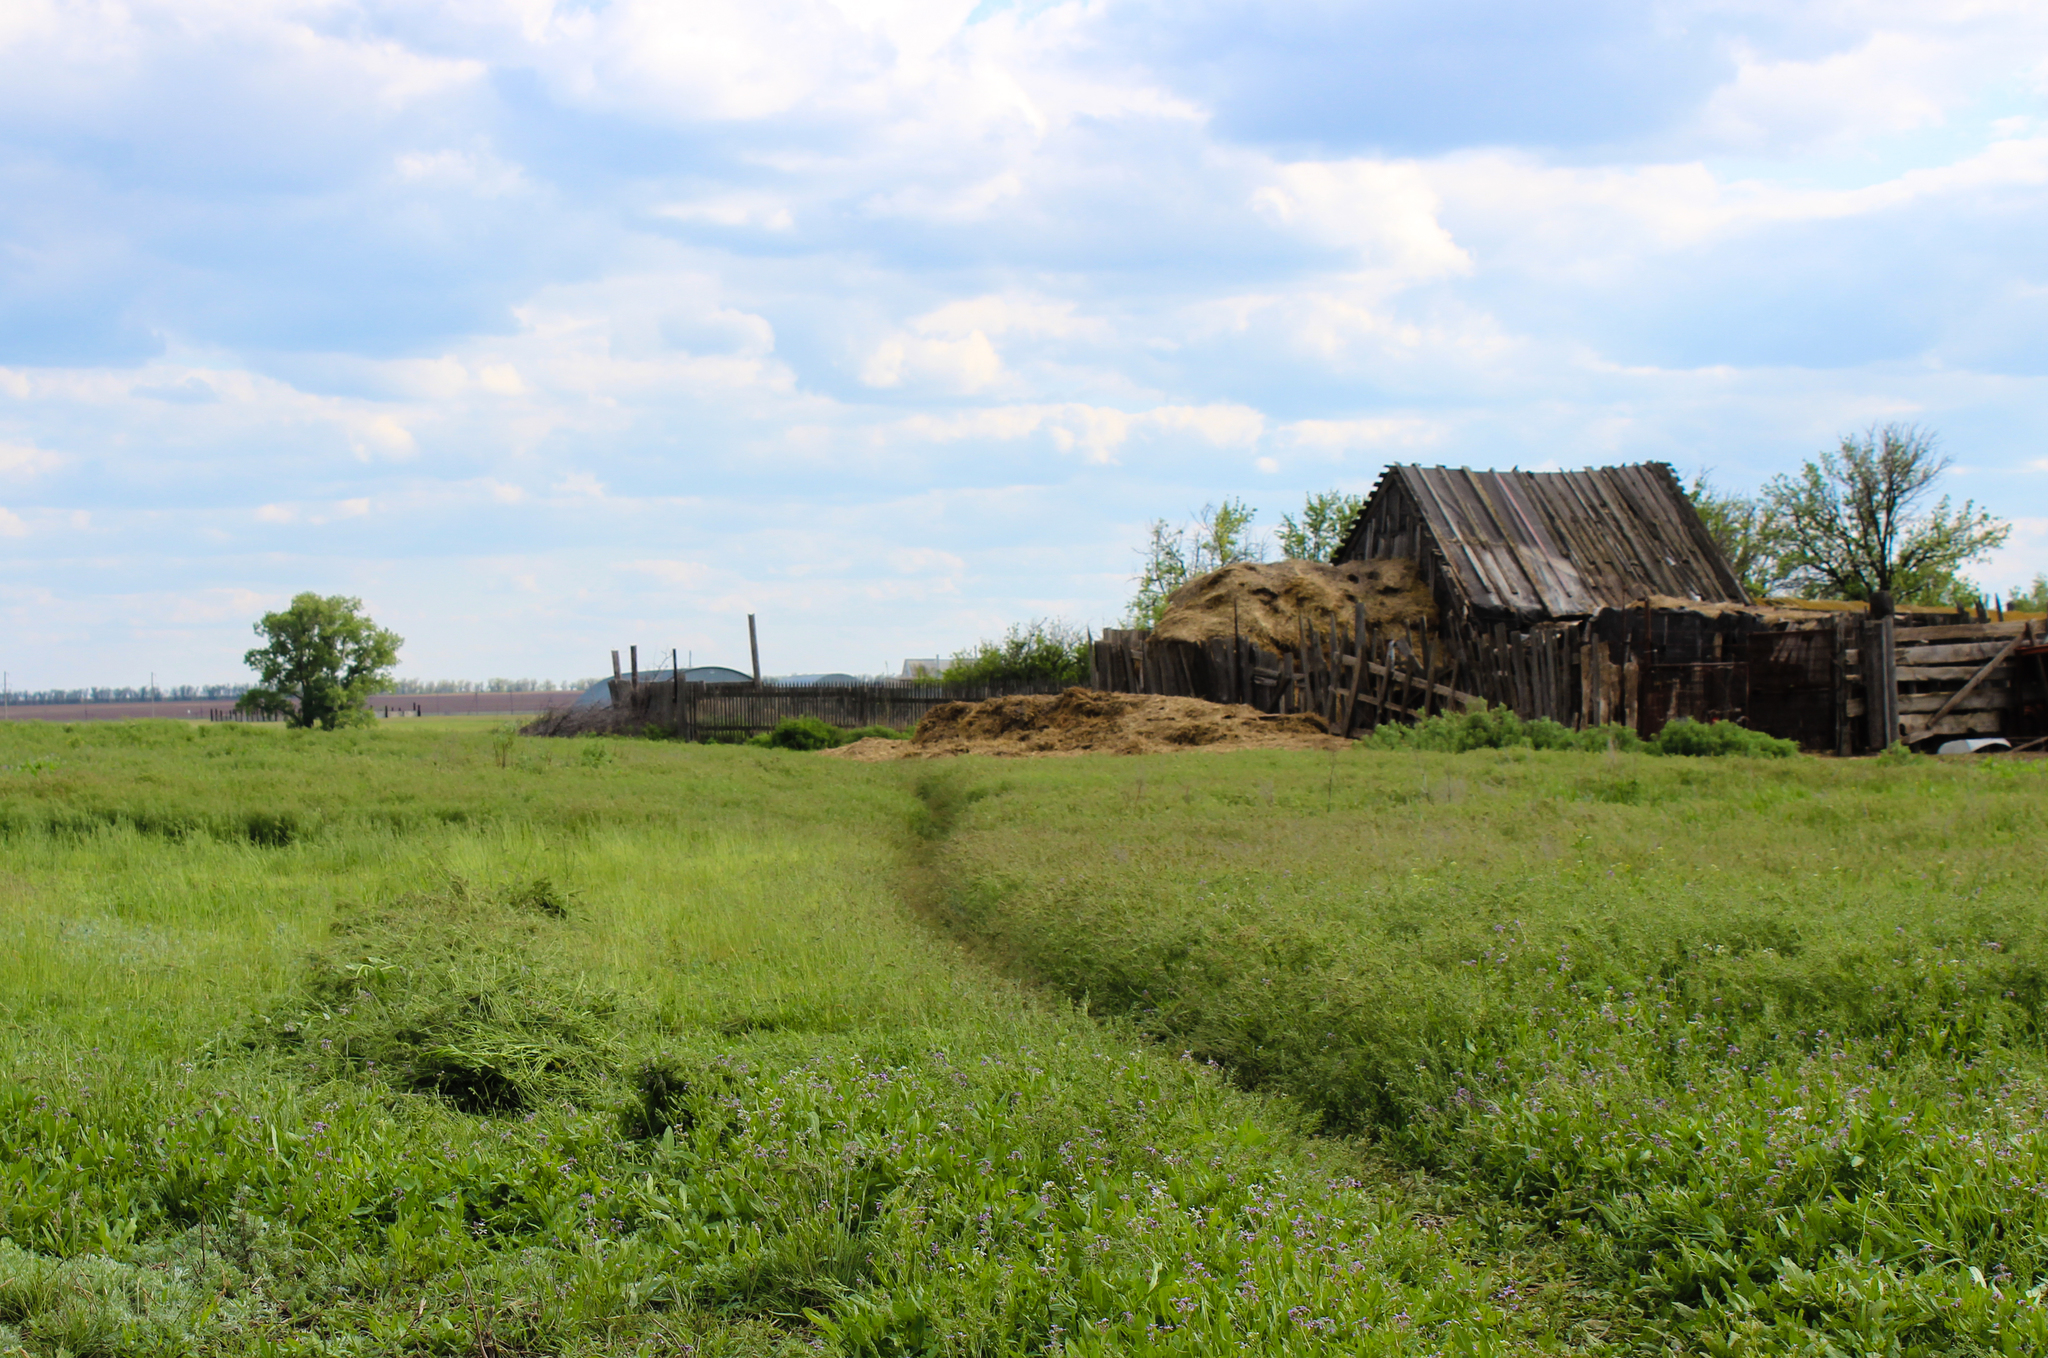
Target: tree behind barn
x=323 y=661
x=1326 y=518
x=1220 y=536
x=1853 y=523
x=1747 y=531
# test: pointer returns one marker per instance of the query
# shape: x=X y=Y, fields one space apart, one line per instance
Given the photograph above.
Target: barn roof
x=1561 y=544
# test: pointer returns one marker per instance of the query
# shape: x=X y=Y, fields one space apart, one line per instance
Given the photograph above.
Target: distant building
x=924 y=669
x=599 y=694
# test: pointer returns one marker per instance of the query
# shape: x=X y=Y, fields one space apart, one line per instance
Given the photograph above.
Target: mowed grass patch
x=609 y=1047
x=1759 y=1042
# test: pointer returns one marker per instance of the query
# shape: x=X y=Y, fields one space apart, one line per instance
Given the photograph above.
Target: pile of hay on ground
x=574 y=721
x=1267 y=601
x=1081 y=721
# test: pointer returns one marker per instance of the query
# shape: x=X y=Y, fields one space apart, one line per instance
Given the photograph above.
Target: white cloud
x=1892 y=82
x=1099 y=432
x=925 y=561
x=581 y=485
x=734 y=210
x=1004 y=314
x=2024 y=556
x=761 y=266
x=11 y=525
x=1593 y=220
x=472 y=172
x=1343 y=436
x=382 y=436
x=967 y=364
x=501 y=379
x=1383 y=211
x=680 y=573
x=24 y=460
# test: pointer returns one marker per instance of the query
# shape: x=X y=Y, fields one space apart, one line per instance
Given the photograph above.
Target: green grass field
x=420 y=1038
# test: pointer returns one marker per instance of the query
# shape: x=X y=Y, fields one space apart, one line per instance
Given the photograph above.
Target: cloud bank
x=551 y=327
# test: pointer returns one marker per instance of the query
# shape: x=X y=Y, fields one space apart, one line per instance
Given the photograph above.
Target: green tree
x=323 y=660
x=1748 y=532
x=1853 y=523
x=1042 y=651
x=1219 y=536
x=1325 y=520
x=2029 y=599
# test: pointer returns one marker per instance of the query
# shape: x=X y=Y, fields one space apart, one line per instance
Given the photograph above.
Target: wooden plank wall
x=1967 y=679
x=733 y=712
x=1812 y=682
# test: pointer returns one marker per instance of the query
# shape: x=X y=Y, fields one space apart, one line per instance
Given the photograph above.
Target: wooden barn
x=1598 y=596
x=1517 y=548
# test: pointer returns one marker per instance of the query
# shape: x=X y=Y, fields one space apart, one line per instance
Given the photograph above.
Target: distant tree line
x=186 y=693
x=142 y=694
x=411 y=687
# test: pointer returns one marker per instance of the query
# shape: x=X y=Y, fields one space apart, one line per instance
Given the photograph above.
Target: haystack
x=1080 y=721
x=1267 y=601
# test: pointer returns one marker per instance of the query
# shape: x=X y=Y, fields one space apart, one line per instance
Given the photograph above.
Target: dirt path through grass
x=372 y=1043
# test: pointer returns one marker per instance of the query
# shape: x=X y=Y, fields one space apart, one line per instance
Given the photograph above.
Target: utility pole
x=754 y=645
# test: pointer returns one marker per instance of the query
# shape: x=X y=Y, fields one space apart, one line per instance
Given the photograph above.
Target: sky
x=548 y=328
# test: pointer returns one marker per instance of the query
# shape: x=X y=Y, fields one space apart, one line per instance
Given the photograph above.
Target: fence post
x=1842 y=685
x=1881 y=682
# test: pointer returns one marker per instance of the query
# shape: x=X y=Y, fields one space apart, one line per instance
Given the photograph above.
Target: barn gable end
x=1529 y=546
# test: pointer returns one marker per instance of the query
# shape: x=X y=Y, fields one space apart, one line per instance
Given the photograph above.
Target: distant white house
x=924 y=669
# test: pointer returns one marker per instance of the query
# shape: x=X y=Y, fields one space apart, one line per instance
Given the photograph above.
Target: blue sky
x=548 y=328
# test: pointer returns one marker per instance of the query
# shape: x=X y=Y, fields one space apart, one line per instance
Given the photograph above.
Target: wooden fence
x=733 y=712
x=1840 y=682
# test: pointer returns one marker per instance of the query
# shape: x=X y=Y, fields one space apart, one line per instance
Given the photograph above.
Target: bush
x=1498 y=728
x=1718 y=738
x=813 y=733
x=1044 y=651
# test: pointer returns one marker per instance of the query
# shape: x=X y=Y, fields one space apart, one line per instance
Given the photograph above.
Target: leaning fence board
x=1959 y=631
x=1934 y=674
x=1962 y=724
x=1978 y=678
x=1971 y=652
x=1988 y=698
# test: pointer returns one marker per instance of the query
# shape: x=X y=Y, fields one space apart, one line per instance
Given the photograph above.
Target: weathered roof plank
x=1558 y=544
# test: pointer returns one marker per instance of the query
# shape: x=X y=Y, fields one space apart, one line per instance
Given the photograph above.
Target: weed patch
x=1753 y=1074
x=450 y=994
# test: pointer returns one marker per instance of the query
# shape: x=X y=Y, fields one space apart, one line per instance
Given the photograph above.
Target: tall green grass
x=396 y=1041
x=1758 y=1042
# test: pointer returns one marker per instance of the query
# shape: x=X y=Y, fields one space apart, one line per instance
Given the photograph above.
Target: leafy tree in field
x=1748 y=532
x=1044 y=651
x=1317 y=535
x=1219 y=536
x=1853 y=525
x=322 y=660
